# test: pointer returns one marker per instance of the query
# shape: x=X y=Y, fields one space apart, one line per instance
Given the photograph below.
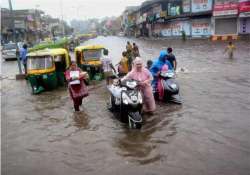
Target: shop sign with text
x=201 y=5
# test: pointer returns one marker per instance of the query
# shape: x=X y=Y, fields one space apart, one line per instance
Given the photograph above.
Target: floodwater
x=208 y=135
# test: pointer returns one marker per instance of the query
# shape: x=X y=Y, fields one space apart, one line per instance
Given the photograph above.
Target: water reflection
x=81 y=120
x=142 y=146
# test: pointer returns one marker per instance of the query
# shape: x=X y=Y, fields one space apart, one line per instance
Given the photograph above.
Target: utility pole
x=61 y=6
x=14 y=36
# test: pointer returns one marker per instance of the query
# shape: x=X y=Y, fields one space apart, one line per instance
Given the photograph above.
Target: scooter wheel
x=111 y=103
x=133 y=125
x=138 y=125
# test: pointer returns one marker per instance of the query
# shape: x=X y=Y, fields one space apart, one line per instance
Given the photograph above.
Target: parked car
x=10 y=51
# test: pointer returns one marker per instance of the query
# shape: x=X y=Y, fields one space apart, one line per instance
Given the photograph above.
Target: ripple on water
x=142 y=146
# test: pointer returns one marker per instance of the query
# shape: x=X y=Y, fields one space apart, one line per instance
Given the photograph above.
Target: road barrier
x=224 y=37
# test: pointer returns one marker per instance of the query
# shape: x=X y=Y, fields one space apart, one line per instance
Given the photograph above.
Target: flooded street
x=208 y=135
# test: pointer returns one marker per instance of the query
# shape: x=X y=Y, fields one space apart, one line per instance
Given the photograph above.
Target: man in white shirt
x=107 y=66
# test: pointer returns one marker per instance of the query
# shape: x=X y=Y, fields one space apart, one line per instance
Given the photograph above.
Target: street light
x=61 y=6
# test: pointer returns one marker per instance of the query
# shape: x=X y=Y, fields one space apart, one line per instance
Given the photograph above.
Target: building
x=28 y=25
x=31 y=25
x=225 y=17
x=192 y=18
x=172 y=18
x=128 y=20
x=244 y=17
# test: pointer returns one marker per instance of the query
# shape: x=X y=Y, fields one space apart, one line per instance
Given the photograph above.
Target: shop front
x=225 y=18
x=244 y=17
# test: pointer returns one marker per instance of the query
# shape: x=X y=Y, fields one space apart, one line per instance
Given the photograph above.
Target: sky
x=75 y=9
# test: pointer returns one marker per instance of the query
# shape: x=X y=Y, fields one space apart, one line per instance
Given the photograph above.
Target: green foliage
x=58 y=44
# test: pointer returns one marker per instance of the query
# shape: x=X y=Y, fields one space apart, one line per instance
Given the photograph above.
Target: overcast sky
x=80 y=9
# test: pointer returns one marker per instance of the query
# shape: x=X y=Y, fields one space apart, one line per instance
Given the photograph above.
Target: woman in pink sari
x=141 y=74
x=76 y=84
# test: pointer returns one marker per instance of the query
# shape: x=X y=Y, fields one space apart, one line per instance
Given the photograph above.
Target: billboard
x=186 y=6
x=201 y=28
x=201 y=5
x=244 y=6
x=176 y=28
x=167 y=31
x=226 y=8
x=19 y=24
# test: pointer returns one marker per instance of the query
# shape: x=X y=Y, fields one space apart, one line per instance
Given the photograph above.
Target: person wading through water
x=129 y=49
x=107 y=66
x=77 y=88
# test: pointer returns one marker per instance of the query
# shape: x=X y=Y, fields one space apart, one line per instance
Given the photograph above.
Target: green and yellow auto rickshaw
x=88 y=59
x=45 y=69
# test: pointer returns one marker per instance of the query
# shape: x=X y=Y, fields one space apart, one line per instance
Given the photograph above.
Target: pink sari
x=144 y=76
x=160 y=86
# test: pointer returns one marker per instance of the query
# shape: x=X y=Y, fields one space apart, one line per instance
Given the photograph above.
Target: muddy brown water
x=209 y=134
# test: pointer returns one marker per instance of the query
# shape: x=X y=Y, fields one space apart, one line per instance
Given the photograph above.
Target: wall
x=201 y=27
x=173 y=28
x=244 y=27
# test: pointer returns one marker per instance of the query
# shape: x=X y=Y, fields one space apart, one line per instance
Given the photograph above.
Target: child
x=230 y=49
x=149 y=64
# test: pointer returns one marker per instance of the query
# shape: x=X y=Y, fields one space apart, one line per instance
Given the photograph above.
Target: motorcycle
x=126 y=99
x=168 y=89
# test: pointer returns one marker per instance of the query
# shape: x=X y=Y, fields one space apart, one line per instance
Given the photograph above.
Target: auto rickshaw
x=88 y=59
x=45 y=69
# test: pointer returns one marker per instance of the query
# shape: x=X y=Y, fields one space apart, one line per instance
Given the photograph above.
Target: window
x=92 y=54
x=43 y=62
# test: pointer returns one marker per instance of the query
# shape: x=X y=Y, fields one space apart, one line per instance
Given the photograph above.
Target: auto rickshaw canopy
x=48 y=52
x=89 y=47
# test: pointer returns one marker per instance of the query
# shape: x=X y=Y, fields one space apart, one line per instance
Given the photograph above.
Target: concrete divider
x=224 y=37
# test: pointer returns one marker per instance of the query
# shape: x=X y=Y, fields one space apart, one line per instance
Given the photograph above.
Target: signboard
x=174 y=8
x=201 y=28
x=167 y=31
x=176 y=28
x=19 y=24
x=244 y=6
x=201 y=5
x=227 y=8
x=186 y=6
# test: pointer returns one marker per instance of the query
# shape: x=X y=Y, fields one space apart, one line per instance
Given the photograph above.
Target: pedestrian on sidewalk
x=23 y=57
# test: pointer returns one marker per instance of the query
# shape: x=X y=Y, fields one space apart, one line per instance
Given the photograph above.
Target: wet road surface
x=209 y=134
